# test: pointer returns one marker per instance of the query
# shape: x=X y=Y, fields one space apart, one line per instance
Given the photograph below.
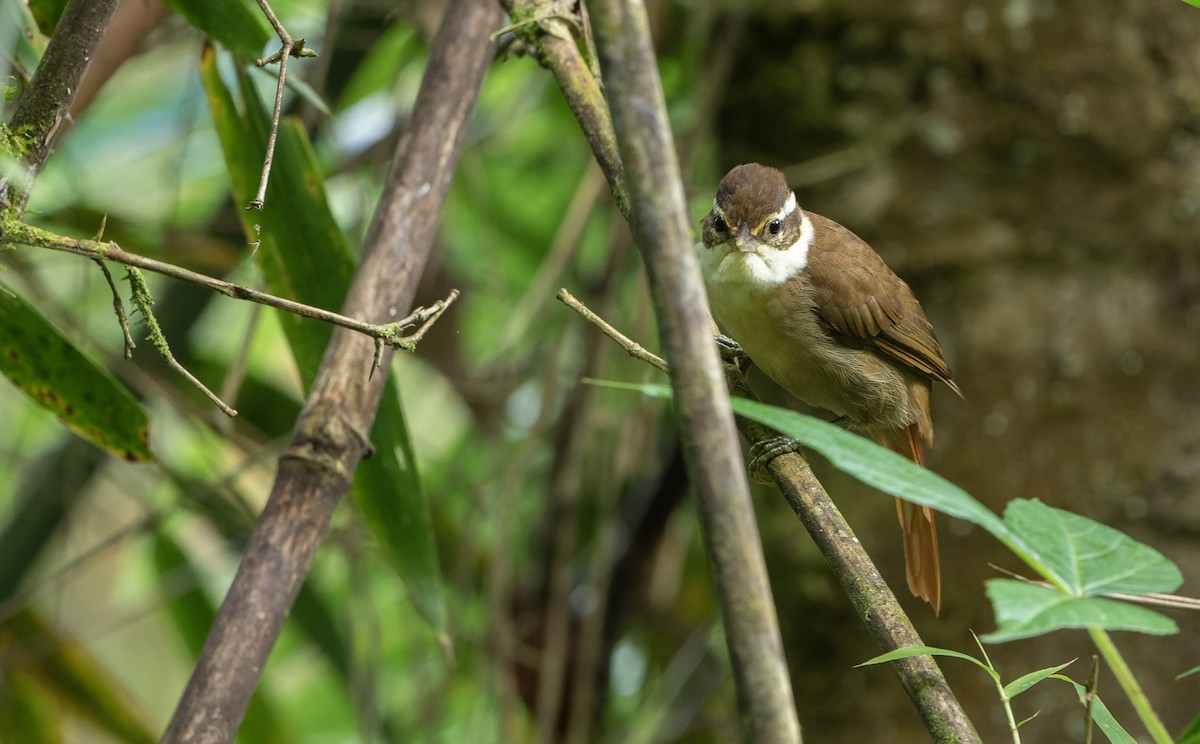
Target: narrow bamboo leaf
x=874 y=465
x=1191 y=734
x=1025 y=681
x=392 y=500
x=27 y=713
x=907 y=652
x=27 y=27
x=235 y=23
x=1086 y=557
x=48 y=368
x=1024 y=721
x=303 y=255
x=1024 y=610
x=1188 y=673
x=74 y=677
x=1103 y=718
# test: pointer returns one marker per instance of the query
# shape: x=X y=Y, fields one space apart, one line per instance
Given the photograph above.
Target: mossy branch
x=395 y=335
x=554 y=33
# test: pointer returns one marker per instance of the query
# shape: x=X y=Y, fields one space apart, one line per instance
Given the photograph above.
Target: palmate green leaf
x=1080 y=556
x=1024 y=610
x=48 y=368
x=1088 y=558
x=72 y=676
x=303 y=255
x=237 y=24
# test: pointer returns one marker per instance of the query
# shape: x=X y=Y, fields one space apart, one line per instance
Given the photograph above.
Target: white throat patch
x=764 y=268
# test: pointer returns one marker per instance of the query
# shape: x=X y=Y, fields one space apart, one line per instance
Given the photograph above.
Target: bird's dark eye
x=775 y=226
x=719 y=224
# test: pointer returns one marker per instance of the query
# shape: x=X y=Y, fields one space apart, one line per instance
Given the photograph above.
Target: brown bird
x=818 y=311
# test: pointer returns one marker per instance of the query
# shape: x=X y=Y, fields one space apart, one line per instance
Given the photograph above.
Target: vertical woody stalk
x=711 y=450
x=330 y=436
x=42 y=112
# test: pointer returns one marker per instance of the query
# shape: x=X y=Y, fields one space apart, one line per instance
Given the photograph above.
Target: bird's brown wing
x=867 y=304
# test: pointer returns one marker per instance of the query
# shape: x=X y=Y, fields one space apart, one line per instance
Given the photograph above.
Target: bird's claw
x=764 y=451
x=731 y=351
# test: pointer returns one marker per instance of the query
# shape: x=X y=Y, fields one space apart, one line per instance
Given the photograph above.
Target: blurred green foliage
x=490 y=401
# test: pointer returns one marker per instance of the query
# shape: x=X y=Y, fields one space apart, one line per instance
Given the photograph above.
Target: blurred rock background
x=1032 y=169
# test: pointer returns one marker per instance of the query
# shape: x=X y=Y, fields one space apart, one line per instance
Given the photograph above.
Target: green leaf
x=1086 y=557
x=237 y=24
x=1191 y=734
x=46 y=12
x=48 y=368
x=28 y=714
x=1188 y=673
x=860 y=457
x=1025 y=681
x=28 y=35
x=1108 y=725
x=908 y=652
x=303 y=255
x=1024 y=610
x=74 y=677
x=1193 y=3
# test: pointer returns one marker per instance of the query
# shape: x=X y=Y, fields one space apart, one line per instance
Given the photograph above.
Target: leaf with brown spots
x=40 y=361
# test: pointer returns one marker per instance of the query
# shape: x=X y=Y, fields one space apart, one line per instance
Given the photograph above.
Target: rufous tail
x=921 y=562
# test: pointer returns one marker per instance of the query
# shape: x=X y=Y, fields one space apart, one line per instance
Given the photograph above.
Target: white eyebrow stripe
x=789 y=206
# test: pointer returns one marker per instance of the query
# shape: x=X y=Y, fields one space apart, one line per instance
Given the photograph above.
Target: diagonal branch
x=330 y=436
x=547 y=31
x=873 y=600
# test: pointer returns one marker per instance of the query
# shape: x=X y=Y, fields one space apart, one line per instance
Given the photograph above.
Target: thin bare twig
x=635 y=350
x=389 y=334
x=1150 y=599
x=118 y=308
x=290 y=48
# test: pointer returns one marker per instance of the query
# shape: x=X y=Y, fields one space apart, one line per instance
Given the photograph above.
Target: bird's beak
x=744 y=241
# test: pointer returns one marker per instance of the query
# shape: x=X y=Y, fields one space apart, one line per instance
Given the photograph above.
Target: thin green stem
x=1130 y=685
x=1005 y=700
